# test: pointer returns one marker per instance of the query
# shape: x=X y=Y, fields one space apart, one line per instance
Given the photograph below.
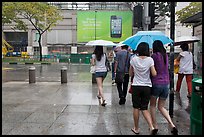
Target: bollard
x=80 y=60
x=63 y=74
x=32 y=74
x=69 y=60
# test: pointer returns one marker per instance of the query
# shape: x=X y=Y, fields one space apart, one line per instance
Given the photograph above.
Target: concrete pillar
x=31 y=74
x=63 y=74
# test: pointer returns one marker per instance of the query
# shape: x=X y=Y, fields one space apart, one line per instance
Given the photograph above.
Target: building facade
x=63 y=37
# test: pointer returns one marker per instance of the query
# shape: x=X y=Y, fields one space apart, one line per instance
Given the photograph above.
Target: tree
x=191 y=9
x=39 y=14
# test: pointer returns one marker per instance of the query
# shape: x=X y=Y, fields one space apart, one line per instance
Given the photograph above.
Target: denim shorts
x=161 y=91
x=100 y=74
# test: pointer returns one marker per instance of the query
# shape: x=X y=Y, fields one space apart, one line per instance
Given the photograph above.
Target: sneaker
x=122 y=101
x=113 y=82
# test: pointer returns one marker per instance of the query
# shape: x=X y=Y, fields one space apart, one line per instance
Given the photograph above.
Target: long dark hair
x=143 y=49
x=159 y=47
x=98 y=52
x=184 y=47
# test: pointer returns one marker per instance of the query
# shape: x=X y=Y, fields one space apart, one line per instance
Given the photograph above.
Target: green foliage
x=191 y=9
x=8 y=13
x=41 y=15
x=163 y=8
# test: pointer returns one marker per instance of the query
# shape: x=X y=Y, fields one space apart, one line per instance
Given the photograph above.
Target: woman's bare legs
x=99 y=81
x=164 y=112
x=136 y=119
x=153 y=101
x=147 y=117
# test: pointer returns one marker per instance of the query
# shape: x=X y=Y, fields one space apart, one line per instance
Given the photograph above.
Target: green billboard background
x=86 y=25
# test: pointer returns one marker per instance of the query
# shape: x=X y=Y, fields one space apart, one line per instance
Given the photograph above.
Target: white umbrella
x=101 y=43
x=185 y=39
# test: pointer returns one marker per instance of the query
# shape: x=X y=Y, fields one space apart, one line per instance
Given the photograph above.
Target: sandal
x=99 y=97
x=174 y=131
x=104 y=103
x=154 y=132
x=136 y=132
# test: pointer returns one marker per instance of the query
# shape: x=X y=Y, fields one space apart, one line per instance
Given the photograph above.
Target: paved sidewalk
x=52 y=108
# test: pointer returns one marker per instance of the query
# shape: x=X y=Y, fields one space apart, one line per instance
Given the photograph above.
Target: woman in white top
x=185 y=69
x=99 y=59
x=141 y=67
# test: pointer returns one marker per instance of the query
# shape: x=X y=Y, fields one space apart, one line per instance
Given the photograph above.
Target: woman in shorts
x=160 y=85
x=141 y=67
x=98 y=59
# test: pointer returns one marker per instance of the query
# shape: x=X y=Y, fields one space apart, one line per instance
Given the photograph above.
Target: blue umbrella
x=148 y=37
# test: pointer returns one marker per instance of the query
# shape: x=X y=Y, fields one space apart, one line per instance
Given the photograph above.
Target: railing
x=68 y=58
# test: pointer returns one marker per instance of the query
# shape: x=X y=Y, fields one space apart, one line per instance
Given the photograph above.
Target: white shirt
x=142 y=71
x=100 y=65
x=186 y=63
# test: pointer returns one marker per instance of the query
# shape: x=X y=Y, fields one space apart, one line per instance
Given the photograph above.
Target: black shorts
x=140 y=97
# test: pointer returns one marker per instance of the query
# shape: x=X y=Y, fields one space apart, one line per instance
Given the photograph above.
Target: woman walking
x=160 y=85
x=99 y=59
x=141 y=67
x=185 y=69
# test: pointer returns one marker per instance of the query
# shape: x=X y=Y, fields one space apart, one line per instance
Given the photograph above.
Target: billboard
x=115 y=26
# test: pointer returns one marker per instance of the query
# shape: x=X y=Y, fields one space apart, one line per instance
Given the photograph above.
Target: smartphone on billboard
x=116 y=26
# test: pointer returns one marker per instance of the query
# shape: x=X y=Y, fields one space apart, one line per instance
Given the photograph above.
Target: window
x=37 y=36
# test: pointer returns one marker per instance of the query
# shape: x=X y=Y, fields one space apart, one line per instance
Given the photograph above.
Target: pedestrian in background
x=134 y=53
x=98 y=59
x=122 y=64
x=185 y=68
x=160 y=85
x=141 y=67
x=112 y=55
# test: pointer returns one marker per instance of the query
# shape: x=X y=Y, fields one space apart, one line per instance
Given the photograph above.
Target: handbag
x=107 y=63
x=119 y=78
x=92 y=69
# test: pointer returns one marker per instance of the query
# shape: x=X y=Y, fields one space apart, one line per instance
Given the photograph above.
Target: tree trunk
x=40 y=46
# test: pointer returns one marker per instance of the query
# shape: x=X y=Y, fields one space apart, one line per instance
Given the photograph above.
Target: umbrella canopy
x=148 y=37
x=185 y=39
x=101 y=43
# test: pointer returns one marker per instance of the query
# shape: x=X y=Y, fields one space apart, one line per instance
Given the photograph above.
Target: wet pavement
x=48 y=107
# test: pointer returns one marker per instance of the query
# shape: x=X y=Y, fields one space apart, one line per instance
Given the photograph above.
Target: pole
x=95 y=24
x=172 y=32
x=146 y=15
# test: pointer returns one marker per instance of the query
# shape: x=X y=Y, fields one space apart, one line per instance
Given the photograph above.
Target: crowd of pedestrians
x=149 y=74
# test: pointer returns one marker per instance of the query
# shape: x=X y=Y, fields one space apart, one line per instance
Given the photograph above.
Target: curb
x=28 y=63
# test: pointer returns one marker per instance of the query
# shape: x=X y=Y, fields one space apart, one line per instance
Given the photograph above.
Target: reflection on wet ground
x=49 y=107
